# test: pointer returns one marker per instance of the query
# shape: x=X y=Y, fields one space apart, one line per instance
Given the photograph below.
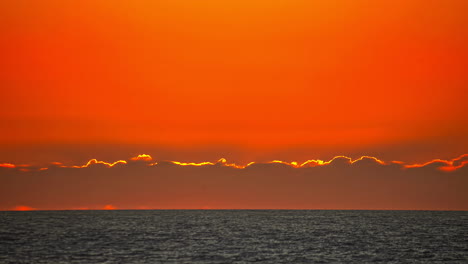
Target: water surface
x=233 y=236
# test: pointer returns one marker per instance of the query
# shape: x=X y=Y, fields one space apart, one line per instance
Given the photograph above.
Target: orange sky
x=256 y=74
x=249 y=80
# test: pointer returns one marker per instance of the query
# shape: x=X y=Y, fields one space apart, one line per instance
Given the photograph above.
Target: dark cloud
x=341 y=184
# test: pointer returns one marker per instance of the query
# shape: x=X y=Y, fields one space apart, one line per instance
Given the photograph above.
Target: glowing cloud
x=144 y=157
x=7 y=165
x=339 y=183
x=449 y=165
x=445 y=165
x=95 y=161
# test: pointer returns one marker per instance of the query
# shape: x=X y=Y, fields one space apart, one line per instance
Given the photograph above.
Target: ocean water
x=233 y=236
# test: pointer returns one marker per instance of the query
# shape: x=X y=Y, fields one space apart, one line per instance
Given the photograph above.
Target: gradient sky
x=248 y=80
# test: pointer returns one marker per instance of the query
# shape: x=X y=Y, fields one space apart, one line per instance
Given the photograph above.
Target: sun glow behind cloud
x=445 y=165
x=339 y=183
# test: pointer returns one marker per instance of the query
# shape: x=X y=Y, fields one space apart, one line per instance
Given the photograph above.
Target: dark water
x=233 y=236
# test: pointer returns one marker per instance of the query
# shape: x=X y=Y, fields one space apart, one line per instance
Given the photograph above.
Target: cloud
x=443 y=165
x=7 y=165
x=144 y=157
x=339 y=183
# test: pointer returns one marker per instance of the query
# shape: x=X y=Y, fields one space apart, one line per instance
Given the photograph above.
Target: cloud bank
x=142 y=182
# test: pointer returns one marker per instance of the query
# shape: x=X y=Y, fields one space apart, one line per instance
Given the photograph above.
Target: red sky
x=245 y=80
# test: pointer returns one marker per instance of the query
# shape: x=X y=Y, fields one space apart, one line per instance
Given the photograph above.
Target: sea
x=234 y=236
